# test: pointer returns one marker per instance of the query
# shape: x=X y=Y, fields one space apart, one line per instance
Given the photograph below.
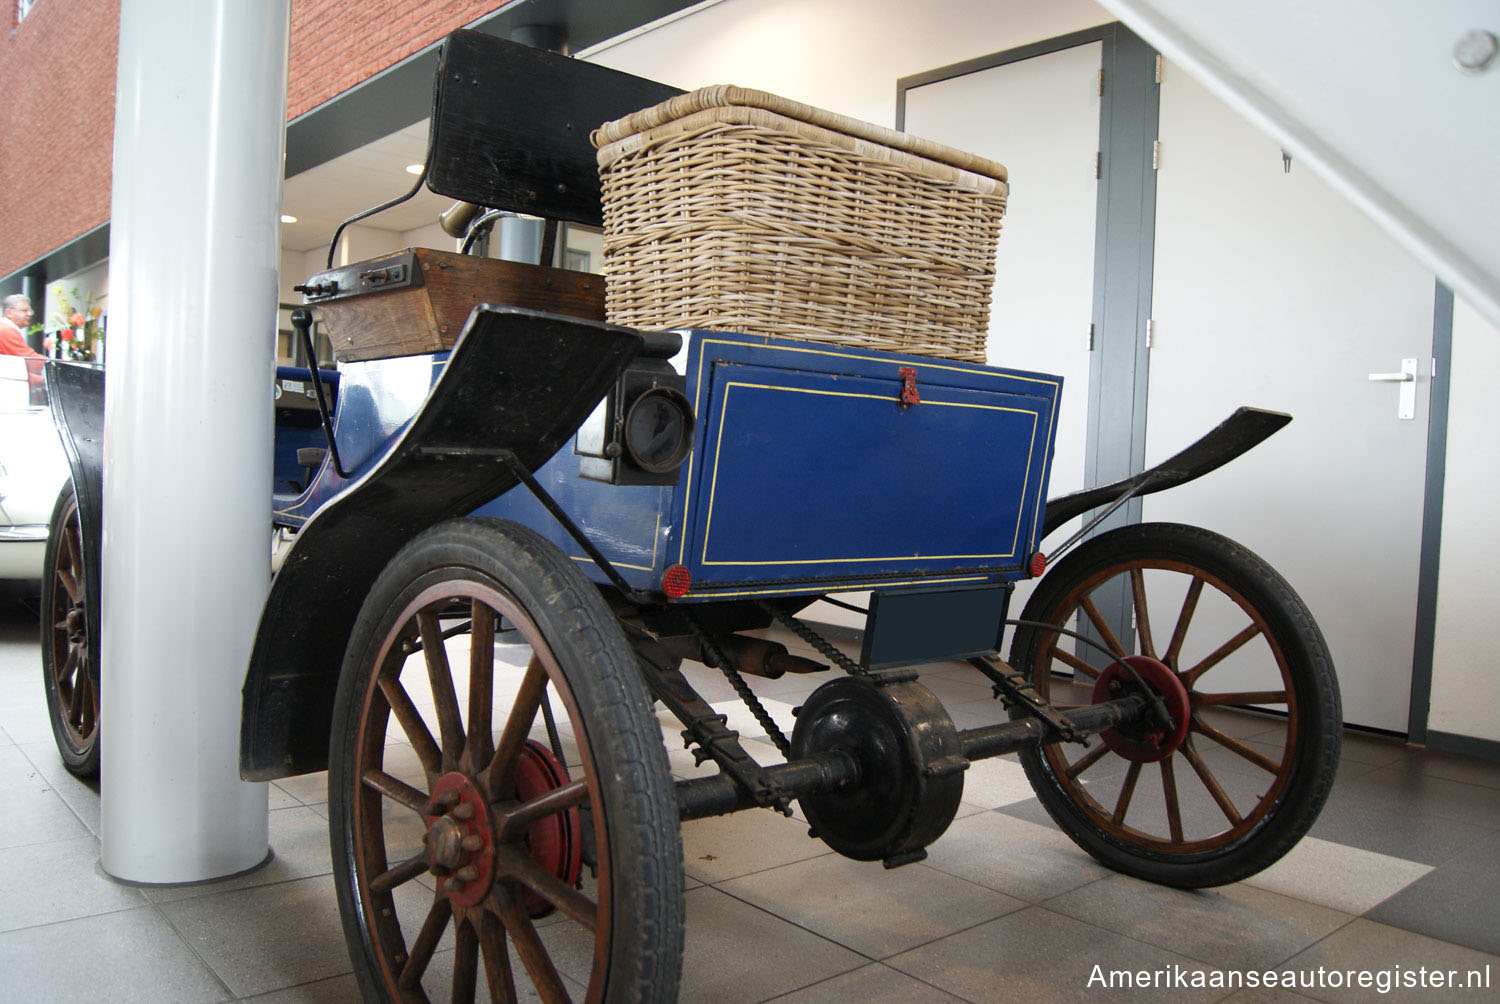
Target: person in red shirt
x=13 y=327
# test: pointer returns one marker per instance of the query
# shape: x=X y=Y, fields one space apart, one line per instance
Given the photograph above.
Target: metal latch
x=1406 y=402
x=909 y=395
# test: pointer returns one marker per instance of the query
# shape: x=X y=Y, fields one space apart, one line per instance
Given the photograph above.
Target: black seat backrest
x=511 y=124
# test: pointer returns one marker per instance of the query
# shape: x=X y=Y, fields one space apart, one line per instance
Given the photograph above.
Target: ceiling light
x=415 y=168
x=288 y=219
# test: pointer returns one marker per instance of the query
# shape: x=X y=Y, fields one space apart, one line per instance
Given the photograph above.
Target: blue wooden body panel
x=807 y=475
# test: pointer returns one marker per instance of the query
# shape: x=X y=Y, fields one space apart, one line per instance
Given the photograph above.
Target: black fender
x=517 y=380
x=1241 y=432
x=75 y=393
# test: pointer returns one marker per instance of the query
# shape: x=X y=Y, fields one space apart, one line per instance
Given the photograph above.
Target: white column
x=194 y=241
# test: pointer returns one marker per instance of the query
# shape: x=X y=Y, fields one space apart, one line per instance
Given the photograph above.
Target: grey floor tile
x=265 y=938
x=736 y=952
x=1427 y=820
x=1338 y=876
x=874 y=984
x=80 y=796
x=27 y=722
x=1468 y=770
x=338 y=990
x=1395 y=956
x=133 y=955
x=1458 y=901
x=299 y=845
x=862 y=906
x=1029 y=861
x=1232 y=927
x=55 y=881
x=1382 y=751
x=996 y=782
x=1034 y=956
x=724 y=847
x=34 y=811
x=305 y=788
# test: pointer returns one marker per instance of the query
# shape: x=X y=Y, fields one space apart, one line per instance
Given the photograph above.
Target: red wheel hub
x=1151 y=741
x=460 y=843
x=555 y=841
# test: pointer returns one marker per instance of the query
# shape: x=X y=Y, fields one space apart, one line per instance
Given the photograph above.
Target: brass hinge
x=1156 y=155
x=1159 y=64
x=1101 y=81
x=1150 y=331
x=1091 y=338
x=1098 y=164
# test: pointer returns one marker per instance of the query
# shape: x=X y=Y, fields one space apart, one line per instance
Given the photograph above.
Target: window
x=23 y=7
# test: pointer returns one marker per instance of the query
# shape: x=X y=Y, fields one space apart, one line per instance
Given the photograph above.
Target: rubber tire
x=1315 y=687
x=641 y=813
x=82 y=761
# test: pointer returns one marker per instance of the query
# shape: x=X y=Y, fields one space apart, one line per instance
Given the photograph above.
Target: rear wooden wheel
x=480 y=854
x=1220 y=793
x=68 y=647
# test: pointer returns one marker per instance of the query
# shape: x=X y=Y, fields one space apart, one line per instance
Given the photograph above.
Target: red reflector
x=1038 y=564
x=675 y=581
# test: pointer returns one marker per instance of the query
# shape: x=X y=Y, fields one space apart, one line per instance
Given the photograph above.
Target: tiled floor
x=1402 y=870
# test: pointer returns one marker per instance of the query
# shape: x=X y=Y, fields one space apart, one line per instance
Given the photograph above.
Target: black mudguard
x=1246 y=429
x=516 y=380
x=75 y=392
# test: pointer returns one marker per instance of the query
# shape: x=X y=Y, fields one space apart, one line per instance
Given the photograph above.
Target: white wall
x=844 y=55
x=1465 y=660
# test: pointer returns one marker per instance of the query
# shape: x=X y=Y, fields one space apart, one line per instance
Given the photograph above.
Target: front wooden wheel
x=503 y=820
x=68 y=646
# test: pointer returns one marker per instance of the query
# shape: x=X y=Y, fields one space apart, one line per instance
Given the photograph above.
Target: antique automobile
x=513 y=522
x=31 y=468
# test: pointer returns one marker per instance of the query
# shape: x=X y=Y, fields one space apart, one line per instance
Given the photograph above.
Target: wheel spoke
x=1179 y=633
x=1069 y=659
x=465 y=963
x=1212 y=784
x=75 y=704
x=1142 y=621
x=515 y=822
x=435 y=655
x=1223 y=652
x=1086 y=761
x=427 y=941
x=549 y=986
x=395 y=790
x=404 y=872
x=1126 y=790
x=412 y=724
x=1110 y=641
x=1235 y=746
x=518 y=725
x=478 y=748
x=497 y=972
x=1241 y=697
x=1169 y=791
x=514 y=861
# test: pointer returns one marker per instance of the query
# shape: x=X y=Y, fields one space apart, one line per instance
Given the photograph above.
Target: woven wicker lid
x=723 y=96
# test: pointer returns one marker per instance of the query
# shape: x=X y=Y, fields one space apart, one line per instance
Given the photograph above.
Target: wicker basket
x=738 y=210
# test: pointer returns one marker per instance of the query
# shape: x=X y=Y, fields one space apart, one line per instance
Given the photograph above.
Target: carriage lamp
x=642 y=432
x=658 y=429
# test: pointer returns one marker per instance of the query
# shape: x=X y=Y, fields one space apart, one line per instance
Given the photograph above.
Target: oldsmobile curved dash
x=512 y=522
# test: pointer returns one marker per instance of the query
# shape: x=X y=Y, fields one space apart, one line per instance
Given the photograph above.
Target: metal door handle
x=1406 y=402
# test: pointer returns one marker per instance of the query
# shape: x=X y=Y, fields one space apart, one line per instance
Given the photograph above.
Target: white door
x=1040 y=118
x=1270 y=290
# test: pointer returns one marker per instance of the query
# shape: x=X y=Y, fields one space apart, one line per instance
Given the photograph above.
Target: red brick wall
x=57 y=120
x=338 y=43
x=57 y=97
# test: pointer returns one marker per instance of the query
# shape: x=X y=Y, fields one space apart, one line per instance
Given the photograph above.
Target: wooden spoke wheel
x=1215 y=793
x=67 y=646
x=503 y=820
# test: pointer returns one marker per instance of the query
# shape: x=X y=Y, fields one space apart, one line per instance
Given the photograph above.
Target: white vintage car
x=33 y=469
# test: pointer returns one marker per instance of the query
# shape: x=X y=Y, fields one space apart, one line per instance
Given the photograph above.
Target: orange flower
x=94 y=314
x=67 y=334
x=76 y=320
